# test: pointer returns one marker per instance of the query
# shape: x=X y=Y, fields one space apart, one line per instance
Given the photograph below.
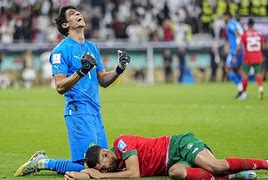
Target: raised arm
x=106 y=78
x=64 y=84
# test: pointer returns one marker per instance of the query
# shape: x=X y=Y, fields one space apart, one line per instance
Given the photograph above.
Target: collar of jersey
x=74 y=41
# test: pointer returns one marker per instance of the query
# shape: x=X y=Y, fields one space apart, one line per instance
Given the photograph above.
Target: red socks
x=201 y=174
x=259 y=80
x=245 y=84
x=240 y=164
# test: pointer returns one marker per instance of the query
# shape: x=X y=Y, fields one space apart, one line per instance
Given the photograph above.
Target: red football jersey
x=152 y=153
x=252 y=41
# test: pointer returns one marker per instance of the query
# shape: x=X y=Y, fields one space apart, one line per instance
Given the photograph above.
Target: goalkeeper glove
x=123 y=60
x=88 y=62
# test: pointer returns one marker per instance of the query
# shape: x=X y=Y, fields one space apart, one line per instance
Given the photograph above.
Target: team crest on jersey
x=56 y=59
x=121 y=146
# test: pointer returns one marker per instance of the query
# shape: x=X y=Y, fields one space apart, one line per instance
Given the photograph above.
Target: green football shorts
x=256 y=67
x=184 y=148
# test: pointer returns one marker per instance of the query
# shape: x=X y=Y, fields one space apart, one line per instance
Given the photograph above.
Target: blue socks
x=63 y=166
x=234 y=77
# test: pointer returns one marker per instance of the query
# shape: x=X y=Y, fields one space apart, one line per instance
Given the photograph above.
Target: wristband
x=119 y=70
x=80 y=73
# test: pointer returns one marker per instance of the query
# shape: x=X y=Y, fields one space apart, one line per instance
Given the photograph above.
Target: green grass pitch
x=32 y=119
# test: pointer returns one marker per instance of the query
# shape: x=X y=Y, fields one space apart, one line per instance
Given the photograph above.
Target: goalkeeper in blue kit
x=78 y=71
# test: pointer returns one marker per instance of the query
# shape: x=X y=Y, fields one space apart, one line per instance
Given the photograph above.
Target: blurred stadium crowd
x=135 y=20
x=129 y=20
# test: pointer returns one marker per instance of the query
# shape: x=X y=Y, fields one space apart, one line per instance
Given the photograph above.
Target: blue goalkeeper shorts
x=230 y=58
x=84 y=130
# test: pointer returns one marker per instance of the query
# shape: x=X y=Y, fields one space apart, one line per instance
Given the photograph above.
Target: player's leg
x=207 y=161
x=232 y=75
x=81 y=132
x=40 y=161
x=258 y=76
x=182 y=152
x=79 y=140
x=245 y=71
x=241 y=164
x=178 y=170
x=101 y=134
x=193 y=152
x=185 y=170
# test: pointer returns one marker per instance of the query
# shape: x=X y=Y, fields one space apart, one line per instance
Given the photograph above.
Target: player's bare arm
x=63 y=83
x=106 y=78
x=132 y=170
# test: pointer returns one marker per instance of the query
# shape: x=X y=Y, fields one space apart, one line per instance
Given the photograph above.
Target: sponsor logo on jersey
x=121 y=146
x=56 y=59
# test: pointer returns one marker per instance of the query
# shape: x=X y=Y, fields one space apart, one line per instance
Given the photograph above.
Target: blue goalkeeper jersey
x=232 y=28
x=65 y=59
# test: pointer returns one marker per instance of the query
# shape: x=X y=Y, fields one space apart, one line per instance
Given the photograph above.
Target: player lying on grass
x=179 y=156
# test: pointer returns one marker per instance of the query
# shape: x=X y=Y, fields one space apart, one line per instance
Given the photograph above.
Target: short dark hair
x=251 y=22
x=92 y=156
x=61 y=18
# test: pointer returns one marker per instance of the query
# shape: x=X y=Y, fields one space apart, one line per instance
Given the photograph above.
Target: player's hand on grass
x=123 y=61
x=92 y=173
x=88 y=62
x=76 y=176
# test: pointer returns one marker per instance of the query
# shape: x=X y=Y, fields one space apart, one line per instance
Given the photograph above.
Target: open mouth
x=79 y=19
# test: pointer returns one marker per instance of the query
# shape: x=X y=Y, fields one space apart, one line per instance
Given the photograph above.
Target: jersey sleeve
x=58 y=62
x=125 y=146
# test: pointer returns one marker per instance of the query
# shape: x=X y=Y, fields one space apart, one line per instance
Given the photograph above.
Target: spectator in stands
x=181 y=62
x=134 y=31
x=28 y=73
x=139 y=75
x=46 y=69
x=168 y=30
x=223 y=52
x=243 y=7
x=28 y=20
x=4 y=80
x=214 y=62
x=7 y=30
x=206 y=16
x=167 y=60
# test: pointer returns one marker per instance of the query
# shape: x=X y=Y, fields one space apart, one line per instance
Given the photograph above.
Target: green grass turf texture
x=32 y=119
